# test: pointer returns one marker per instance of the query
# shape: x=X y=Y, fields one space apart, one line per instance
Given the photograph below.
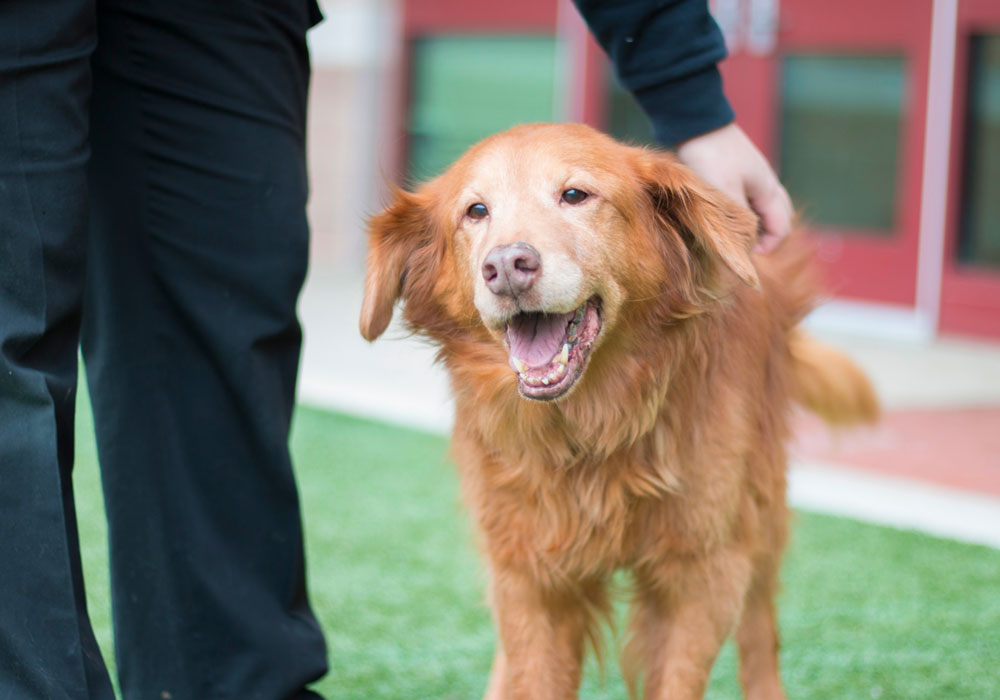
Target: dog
x=624 y=368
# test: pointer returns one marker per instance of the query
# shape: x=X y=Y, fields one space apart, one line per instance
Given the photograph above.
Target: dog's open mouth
x=549 y=351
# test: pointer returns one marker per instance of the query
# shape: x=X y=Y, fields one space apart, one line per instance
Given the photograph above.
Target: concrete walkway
x=933 y=464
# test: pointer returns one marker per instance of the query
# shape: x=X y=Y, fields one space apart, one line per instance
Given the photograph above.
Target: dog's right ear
x=394 y=237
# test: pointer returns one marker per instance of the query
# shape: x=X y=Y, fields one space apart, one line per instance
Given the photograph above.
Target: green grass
x=866 y=612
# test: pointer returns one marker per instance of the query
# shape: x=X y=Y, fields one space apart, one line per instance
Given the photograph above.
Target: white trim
x=895 y=502
x=761 y=27
x=871 y=320
x=728 y=14
x=570 y=84
x=352 y=34
x=937 y=136
x=433 y=414
x=831 y=489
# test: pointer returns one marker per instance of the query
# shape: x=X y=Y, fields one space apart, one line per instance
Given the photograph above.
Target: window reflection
x=841 y=121
x=980 y=227
x=625 y=119
x=468 y=87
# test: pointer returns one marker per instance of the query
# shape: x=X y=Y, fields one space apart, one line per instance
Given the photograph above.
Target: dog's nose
x=510 y=270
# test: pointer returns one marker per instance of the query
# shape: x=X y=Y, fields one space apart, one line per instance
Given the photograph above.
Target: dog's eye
x=574 y=196
x=477 y=211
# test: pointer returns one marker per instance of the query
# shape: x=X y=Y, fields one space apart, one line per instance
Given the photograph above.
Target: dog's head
x=545 y=236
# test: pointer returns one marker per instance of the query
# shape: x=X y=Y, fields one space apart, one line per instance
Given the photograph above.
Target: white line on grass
x=426 y=407
x=897 y=502
x=823 y=488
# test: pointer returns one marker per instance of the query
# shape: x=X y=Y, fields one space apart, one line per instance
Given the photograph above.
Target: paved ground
x=956 y=447
x=933 y=463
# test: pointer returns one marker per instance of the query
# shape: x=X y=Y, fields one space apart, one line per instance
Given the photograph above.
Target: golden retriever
x=623 y=369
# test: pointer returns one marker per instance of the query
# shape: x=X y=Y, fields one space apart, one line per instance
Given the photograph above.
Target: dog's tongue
x=535 y=338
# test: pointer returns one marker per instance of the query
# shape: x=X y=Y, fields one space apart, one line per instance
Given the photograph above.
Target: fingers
x=731 y=163
x=775 y=211
x=735 y=190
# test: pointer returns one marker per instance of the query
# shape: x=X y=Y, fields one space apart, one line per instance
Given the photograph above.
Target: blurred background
x=882 y=119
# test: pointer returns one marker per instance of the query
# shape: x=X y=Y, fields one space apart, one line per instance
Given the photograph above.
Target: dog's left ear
x=396 y=238
x=710 y=222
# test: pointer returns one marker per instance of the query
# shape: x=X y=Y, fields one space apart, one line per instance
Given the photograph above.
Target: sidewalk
x=932 y=464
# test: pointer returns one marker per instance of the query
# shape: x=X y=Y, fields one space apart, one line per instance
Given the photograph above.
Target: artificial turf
x=866 y=612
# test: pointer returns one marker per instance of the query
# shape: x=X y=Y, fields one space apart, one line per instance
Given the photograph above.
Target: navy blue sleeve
x=666 y=54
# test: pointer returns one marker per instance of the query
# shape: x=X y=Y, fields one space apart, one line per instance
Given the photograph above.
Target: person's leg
x=47 y=649
x=191 y=343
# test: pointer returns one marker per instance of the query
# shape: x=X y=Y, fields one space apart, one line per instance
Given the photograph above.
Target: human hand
x=730 y=162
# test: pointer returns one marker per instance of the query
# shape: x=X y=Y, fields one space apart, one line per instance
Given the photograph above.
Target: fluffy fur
x=667 y=456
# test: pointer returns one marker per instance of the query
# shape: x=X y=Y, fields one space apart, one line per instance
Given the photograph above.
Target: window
x=625 y=119
x=979 y=238
x=468 y=87
x=840 y=130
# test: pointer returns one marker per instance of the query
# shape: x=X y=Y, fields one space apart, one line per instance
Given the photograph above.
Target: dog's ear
x=394 y=238
x=709 y=222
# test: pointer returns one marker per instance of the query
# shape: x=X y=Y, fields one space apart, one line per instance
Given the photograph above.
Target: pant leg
x=191 y=343
x=47 y=649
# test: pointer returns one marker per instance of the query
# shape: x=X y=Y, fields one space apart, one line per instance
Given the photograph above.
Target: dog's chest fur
x=586 y=519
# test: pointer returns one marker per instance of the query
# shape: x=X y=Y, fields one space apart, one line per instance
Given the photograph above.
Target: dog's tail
x=829 y=384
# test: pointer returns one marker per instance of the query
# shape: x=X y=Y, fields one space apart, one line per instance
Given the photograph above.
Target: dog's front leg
x=682 y=613
x=542 y=635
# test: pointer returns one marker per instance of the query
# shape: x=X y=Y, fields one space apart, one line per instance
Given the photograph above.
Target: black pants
x=152 y=202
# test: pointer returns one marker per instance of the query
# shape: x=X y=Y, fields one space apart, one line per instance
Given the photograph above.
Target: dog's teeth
x=564 y=355
x=545 y=381
x=519 y=365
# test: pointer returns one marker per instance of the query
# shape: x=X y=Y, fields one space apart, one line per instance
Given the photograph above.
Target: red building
x=883 y=119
